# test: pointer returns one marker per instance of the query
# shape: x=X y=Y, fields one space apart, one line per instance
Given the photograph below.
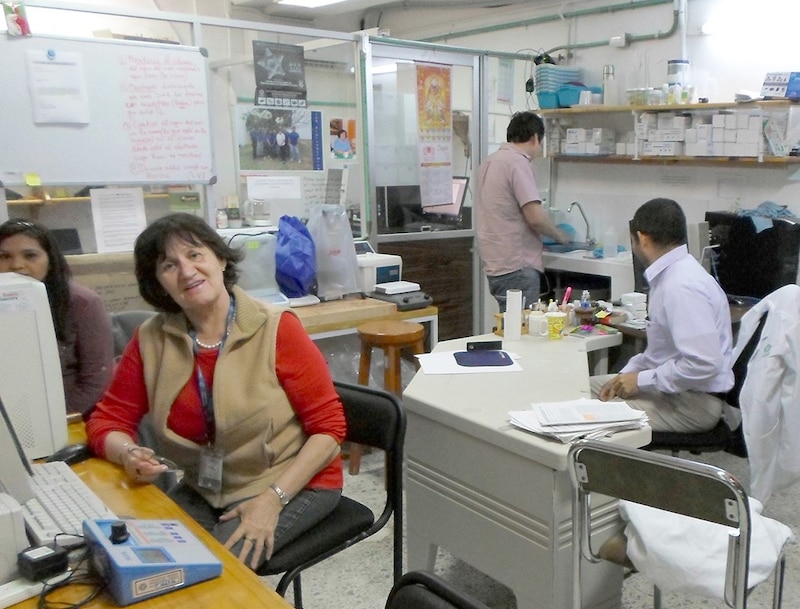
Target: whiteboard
x=98 y=111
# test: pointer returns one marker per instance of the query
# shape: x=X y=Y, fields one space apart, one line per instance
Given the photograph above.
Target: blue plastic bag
x=295 y=258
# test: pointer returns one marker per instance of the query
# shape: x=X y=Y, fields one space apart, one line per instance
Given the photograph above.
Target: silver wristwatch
x=282 y=496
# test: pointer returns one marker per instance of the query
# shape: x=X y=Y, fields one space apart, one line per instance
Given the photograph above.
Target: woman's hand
x=259 y=518
x=141 y=464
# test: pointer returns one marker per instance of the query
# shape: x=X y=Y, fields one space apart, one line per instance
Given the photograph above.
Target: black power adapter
x=529 y=85
x=43 y=562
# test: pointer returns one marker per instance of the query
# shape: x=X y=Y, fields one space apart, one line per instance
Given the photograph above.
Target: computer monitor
x=460 y=184
x=69 y=242
x=757 y=254
x=30 y=375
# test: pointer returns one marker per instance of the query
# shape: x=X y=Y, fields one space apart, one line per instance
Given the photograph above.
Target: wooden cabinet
x=443 y=269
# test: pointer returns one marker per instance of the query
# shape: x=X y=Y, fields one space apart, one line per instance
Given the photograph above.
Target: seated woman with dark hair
x=83 y=328
x=239 y=396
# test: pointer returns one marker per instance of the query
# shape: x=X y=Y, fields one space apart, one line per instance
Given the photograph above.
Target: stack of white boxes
x=731 y=134
x=736 y=134
x=635 y=304
x=663 y=133
x=591 y=141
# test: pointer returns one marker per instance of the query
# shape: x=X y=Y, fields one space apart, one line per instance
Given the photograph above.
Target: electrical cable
x=82 y=574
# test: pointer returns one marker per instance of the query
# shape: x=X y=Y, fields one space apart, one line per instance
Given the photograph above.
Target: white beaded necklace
x=231 y=315
x=205 y=346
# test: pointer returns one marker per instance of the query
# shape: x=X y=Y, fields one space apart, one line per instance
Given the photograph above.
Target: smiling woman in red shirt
x=239 y=397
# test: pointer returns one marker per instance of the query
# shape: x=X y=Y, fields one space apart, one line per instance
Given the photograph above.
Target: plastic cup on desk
x=556 y=321
x=537 y=323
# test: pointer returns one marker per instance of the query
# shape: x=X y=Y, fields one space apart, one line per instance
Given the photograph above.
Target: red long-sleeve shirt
x=301 y=370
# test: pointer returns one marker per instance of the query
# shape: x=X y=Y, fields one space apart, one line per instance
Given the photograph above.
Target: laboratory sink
x=563 y=248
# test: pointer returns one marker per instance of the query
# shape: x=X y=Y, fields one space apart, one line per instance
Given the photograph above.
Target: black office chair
x=720 y=437
x=123 y=324
x=374 y=418
x=426 y=590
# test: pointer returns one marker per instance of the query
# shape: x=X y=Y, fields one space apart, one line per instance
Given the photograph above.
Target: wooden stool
x=392 y=337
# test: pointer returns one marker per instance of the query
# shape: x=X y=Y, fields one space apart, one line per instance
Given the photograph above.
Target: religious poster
x=435 y=133
x=279 y=74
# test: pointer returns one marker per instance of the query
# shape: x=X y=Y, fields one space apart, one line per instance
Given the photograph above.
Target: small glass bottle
x=610 y=96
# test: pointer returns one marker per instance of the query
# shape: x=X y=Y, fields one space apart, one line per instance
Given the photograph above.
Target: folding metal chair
x=667 y=483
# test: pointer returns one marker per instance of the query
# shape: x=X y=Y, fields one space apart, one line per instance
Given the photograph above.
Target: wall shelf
x=749 y=153
x=59 y=200
x=771 y=161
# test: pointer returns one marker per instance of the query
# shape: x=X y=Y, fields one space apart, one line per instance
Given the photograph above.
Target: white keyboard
x=62 y=503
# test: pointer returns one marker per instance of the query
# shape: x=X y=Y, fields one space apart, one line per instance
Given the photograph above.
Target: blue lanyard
x=206 y=397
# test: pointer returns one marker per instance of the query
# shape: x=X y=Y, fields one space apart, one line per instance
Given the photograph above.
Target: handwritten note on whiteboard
x=100 y=111
x=165 y=114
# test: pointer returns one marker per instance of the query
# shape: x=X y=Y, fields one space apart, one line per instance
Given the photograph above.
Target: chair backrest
x=740 y=365
x=123 y=324
x=663 y=482
x=376 y=418
x=425 y=590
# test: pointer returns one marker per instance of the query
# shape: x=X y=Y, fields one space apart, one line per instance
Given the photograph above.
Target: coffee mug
x=556 y=320
x=537 y=324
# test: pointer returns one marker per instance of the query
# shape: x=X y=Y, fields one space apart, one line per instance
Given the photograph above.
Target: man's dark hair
x=662 y=220
x=151 y=248
x=523 y=126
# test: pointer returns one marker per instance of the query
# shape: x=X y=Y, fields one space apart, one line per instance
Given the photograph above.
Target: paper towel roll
x=512 y=321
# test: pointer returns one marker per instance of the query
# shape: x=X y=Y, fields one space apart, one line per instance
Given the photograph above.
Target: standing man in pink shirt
x=510 y=217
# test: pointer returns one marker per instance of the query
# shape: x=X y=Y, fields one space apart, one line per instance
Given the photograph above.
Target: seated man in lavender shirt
x=689 y=342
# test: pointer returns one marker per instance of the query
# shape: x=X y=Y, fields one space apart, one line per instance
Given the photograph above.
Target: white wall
x=747 y=44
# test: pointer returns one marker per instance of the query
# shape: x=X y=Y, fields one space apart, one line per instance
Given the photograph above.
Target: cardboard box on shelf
x=112 y=277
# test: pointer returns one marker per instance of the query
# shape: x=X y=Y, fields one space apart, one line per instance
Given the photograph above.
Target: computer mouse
x=71 y=454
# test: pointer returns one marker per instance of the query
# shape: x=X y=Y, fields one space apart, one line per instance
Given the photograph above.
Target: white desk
x=495 y=496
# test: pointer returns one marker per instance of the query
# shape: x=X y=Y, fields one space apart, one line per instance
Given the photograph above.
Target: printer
x=377 y=268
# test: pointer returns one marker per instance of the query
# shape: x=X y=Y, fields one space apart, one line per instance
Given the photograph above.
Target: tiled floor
x=360 y=577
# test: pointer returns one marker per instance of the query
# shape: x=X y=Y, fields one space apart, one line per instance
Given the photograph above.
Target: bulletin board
x=98 y=111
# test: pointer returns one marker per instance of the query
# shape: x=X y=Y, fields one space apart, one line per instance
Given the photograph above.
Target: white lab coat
x=682 y=554
x=770 y=397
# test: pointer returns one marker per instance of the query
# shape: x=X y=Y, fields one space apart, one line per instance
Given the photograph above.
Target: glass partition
x=421 y=105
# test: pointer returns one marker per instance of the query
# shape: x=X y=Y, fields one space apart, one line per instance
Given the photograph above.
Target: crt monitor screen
x=30 y=380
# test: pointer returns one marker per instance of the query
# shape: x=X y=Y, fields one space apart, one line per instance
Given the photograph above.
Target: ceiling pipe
x=560 y=16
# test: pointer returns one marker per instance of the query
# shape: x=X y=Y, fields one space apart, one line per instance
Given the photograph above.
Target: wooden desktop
x=238 y=586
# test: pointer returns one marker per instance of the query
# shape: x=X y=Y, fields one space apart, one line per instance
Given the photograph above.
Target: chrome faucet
x=589 y=239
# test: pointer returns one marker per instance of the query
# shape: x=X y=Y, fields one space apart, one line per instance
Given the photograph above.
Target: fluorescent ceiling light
x=309 y=3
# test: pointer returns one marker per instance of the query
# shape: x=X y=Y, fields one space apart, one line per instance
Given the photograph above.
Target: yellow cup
x=556 y=320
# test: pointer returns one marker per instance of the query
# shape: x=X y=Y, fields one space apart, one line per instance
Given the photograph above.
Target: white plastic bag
x=337 y=264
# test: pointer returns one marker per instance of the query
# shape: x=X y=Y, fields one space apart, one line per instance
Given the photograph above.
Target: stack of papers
x=582 y=418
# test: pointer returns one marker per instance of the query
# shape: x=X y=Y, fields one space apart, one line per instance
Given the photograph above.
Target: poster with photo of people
x=277 y=139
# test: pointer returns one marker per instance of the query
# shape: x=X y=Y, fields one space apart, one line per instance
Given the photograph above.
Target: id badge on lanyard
x=211 y=459
x=210 y=469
